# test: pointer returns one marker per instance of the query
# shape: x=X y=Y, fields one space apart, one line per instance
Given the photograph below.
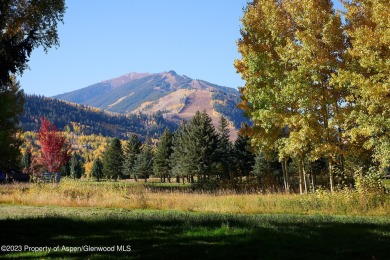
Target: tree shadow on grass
x=194 y=236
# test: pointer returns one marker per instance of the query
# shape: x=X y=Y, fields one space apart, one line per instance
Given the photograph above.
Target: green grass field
x=154 y=234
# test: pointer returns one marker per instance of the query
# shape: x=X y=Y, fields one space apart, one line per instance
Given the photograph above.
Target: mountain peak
x=172 y=72
x=117 y=82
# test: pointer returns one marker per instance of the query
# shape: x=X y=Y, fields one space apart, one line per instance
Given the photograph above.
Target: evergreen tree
x=11 y=107
x=177 y=160
x=113 y=160
x=267 y=170
x=65 y=169
x=244 y=158
x=97 y=169
x=195 y=148
x=161 y=162
x=75 y=167
x=132 y=149
x=26 y=161
x=224 y=150
x=143 y=166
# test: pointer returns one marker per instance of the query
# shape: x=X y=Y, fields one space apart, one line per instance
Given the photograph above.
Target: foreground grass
x=181 y=235
x=137 y=196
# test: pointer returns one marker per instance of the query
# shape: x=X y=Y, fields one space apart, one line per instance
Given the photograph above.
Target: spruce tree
x=11 y=107
x=26 y=161
x=76 y=169
x=224 y=150
x=267 y=170
x=132 y=149
x=113 y=160
x=177 y=158
x=97 y=169
x=143 y=166
x=244 y=159
x=161 y=162
x=195 y=148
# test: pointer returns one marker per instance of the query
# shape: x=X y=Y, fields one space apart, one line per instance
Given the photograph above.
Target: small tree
x=113 y=160
x=97 y=169
x=26 y=161
x=132 y=149
x=76 y=169
x=268 y=171
x=244 y=159
x=55 y=149
x=161 y=163
x=143 y=166
x=224 y=149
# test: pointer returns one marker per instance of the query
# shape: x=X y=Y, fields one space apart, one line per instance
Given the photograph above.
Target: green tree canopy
x=194 y=149
x=113 y=160
x=161 y=162
x=131 y=150
x=143 y=166
x=11 y=107
x=97 y=169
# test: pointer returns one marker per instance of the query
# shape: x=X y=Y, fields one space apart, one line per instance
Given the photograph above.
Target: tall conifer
x=143 y=166
x=113 y=160
x=161 y=162
x=132 y=149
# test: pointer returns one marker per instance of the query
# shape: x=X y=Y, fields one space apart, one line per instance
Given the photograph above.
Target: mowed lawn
x=154 y=234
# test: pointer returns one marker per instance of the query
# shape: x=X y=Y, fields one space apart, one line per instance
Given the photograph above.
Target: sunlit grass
x=138 y=196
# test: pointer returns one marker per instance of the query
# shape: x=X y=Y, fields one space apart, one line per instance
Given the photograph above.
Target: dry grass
x=129 y=196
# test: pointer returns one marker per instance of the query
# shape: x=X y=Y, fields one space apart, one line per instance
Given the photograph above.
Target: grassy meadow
x=172 y=221
x=167 y=234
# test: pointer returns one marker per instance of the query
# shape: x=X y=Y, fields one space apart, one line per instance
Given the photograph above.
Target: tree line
x=195 y=152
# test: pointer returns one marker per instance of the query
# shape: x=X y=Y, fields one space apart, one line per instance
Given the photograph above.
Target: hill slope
x=177 y=97
x=90 y=120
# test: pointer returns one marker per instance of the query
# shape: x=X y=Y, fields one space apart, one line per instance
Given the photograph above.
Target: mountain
x=176 y=97
x=89 y=120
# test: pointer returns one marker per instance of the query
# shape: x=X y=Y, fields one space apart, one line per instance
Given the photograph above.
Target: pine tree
x=244 y=159
x=11 y=107
x=132 y=149
x=97 y=169
x=75 y=167
x=177 y=158
x=195 y=148
x=113 y=160
x=26 y=161
x=161 y=162
x=224 y=150
x=143 y=166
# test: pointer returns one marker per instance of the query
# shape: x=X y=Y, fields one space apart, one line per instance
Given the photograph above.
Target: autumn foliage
x=55 y=150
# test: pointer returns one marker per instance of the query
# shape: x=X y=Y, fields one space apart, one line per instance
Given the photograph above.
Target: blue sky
x=103 y=39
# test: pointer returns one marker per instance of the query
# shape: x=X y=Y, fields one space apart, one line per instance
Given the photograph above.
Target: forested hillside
x=88 y=120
